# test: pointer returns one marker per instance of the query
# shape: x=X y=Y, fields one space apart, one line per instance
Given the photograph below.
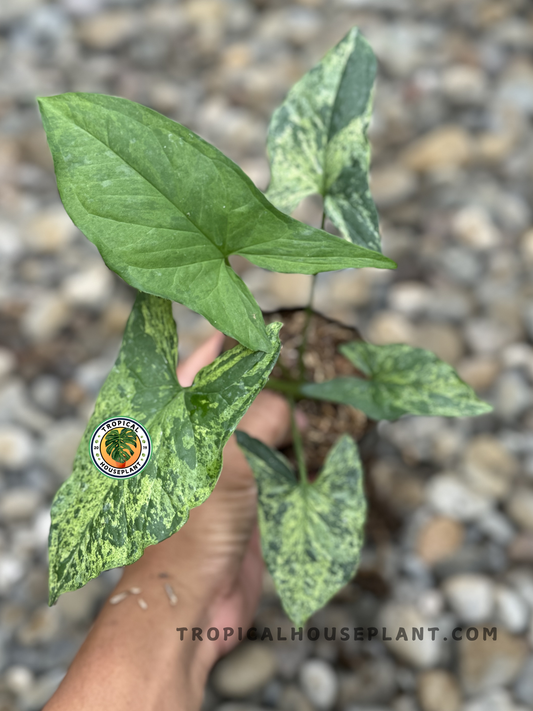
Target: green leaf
x=166 y=210
x=311 y=533
x=99 y=522
x=317 y=141
x=401 y=381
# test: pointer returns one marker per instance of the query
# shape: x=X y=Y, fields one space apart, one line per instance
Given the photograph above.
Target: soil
x=328 y=421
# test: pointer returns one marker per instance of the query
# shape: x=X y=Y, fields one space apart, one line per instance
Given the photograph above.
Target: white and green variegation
x=311 y=533
x=317 y=141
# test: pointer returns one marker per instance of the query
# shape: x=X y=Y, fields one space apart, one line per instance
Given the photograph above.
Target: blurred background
x=452 y=177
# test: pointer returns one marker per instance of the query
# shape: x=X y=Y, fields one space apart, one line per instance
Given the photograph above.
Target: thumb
x=201 y=357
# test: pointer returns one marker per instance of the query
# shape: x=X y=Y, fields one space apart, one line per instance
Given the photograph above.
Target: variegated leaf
x=317 y=141
x=401 y=381
x=311 y=533
x=167 y=210
x=100 y=523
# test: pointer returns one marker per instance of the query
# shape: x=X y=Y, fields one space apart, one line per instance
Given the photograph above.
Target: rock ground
x=452 y=175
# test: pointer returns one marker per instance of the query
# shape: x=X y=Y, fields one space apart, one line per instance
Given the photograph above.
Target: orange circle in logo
x=136 y=449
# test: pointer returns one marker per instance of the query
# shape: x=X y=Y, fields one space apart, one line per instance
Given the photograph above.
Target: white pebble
x=319 y=683
x=471 y=596
x=512 y=610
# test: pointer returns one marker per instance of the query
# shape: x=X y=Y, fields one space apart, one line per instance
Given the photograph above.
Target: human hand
x=133 y=658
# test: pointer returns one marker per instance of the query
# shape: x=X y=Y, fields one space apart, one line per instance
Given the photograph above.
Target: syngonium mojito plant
x=167 y=210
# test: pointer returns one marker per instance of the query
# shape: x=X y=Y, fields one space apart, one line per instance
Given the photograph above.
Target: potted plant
x=167 y=211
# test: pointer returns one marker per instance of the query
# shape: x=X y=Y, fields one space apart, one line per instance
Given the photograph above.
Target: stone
x=18 y=504
x=392 y=185
x=438 y=690
x=18 y=679
x=293 y=699
x=373 y=682
x=487 y=337
x=486 y=664
x=471 y=596
x=78 y=606
x=42 y=627
x=480 y=372
x=526 y=246
x=464 y=84
x=496 y=699
x=244 y=671
x=16 y=447
x=473 y=227
x=43 y=688
x=520 y=549
x=389 y=327
x=61 y=441
x=45 y=318
x=49 y=231
x=319 y=683
x=419 y=653
x=520 y=508
x=439 y=538
x=441 y=149
x=7 y=362
x=409 y=297
x=489 y=467
x=108 y=30
x=513 y=396
x=511 y=610
x=443 y=339
x=523 y=687
x=449 y=496
x=89 y=288
x=11 y=571
x=496 y=526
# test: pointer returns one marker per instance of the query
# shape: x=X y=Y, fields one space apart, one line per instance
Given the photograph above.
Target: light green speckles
x=311 y=534
x=317 y=141
x=401 y=380
x=100 y=523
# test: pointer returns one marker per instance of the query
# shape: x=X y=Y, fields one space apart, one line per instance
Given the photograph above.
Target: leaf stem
x=298 y=444
x=308 y=313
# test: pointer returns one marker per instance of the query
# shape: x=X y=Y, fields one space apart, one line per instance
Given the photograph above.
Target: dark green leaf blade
x=317 y=141
x=401 y=381
x=311 y=534
x=100 y=523
x=166 y=210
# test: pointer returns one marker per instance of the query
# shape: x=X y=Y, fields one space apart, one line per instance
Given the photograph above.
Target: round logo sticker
x=120 y=448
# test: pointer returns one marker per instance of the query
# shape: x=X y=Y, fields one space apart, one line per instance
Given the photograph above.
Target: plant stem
x=298 y=444
x=308 y=314
x=288 y=387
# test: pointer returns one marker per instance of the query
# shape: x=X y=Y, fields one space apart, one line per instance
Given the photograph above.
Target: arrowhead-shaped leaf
x=311 y=533
x=401 y=381
x=317 y=141
x=100 y=523
x=166 y=210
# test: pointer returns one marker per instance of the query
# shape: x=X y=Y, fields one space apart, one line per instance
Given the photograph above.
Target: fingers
x=201 y=357
x=268 y=418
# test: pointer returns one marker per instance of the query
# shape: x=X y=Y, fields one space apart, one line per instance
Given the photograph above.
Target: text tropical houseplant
x=166 y=211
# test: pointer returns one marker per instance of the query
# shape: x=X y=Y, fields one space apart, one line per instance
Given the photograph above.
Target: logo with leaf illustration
x=120 y=448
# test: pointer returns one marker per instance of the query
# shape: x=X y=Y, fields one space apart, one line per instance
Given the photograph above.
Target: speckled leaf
x=401 y=381
x=311 y=533
x=166 y=210
x=99 y=522
x=317 y=141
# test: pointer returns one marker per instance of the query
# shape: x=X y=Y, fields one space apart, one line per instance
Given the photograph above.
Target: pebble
x=511 y=610
x=520 y=508
x=372 y=682
x=107 y=31
x=60 y=444
x=43 y=626
x=489 y=467
x=488 y=337
x=50 y=231
x=420 y=654
x=449 y=496
x=7 y=362
x=89 y=288
x=480 y=372
x=443 y=339
x=409 y=297
x=11 y=571
x=470 y=596
x=293 y=699
x=523 y=687
x=16 y=447
x=441 y=149
x=244 y=671
x=464 y=84
x=389 y=327
x=438 y=690
x=18 y=504
x=391 y=185
x=46 y=317
x=473 y=227
x=486 y=664
x=513 y=396
x=439 y=538
x=319 y=683
x=18 y=679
